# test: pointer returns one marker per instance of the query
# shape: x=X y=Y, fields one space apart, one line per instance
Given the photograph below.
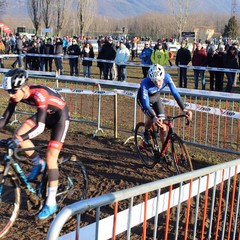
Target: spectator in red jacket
x=199 y=59
x=231 y=60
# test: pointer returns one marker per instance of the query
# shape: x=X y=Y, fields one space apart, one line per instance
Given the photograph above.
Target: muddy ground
x=111 y=166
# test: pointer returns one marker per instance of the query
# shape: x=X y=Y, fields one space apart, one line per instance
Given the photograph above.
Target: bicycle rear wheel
x=148 y=154
x=182 y=161
x=10 y=200
x=73 y=181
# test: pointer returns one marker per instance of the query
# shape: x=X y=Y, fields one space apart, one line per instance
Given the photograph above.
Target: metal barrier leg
x=99 y=115
x=134 y=120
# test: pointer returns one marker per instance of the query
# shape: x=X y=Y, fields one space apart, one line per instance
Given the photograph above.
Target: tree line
x=79 y=17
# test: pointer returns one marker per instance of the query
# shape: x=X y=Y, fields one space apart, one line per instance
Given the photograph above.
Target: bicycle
x=73 y=183
x=174 y=152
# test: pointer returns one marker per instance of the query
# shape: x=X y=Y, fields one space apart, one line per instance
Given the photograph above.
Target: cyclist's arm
x=39 y=128
x=7 y=114
x=146 y=103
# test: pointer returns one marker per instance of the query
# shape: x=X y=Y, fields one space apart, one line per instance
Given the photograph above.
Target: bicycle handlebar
x=171 y=118
x=16 y=151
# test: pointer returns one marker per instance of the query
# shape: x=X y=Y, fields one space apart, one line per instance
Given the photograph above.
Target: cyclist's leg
x=38 y=163
x=24 y=128
x=58 y=134
x=50 y=206
x=148 y=121
x=53 y=151
x=163 y=133
x=159 y=109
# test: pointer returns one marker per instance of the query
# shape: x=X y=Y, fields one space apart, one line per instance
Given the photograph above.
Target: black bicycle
x=73 y=184
x=174 y=151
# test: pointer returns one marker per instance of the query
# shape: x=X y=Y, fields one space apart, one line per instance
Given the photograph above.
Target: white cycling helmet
x=156 y=72
x=14 y=78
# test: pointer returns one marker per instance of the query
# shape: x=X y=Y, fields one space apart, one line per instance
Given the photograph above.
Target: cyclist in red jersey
x=52 y=113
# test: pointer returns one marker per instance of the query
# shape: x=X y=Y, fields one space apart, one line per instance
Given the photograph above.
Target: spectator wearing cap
x=145 y=55
x=183 y=57
x=122 y=57
x=160 y=55
x=108 y=54
x=199 y=59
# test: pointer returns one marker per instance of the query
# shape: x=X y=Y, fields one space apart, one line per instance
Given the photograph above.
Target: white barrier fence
x=198 y=186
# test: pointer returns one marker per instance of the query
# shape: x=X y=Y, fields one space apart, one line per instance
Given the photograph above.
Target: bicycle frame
x=11 y=163
x=173 y=151
x=169 y=123
x=13 y=180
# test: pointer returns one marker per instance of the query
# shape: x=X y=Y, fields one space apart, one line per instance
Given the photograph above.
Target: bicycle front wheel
x=180 y=155
x=10 y=200
x=148 y=154
x=73 y=181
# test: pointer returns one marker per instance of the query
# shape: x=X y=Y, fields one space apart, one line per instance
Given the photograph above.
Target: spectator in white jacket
x=122 y=57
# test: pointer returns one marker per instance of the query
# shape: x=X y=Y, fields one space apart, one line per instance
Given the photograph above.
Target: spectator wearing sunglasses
x=145 y=55
x=74 y=51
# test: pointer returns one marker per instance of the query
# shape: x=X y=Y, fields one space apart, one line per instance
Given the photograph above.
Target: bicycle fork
x=5 y=173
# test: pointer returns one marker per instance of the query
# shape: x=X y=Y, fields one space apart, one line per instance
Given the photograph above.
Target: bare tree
x=86 y=12
x=47 y=12
x=61 y=4
x=180 y=10
x=34 y=11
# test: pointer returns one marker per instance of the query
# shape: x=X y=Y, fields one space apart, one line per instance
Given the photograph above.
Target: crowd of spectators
x=118 y=53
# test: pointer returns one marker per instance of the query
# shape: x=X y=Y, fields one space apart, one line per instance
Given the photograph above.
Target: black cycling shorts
x=155 y=104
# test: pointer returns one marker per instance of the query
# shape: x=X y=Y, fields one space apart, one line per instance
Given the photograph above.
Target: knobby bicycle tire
x=10 y=202
x=148 y=154
x=180 y=156
x=73 y=181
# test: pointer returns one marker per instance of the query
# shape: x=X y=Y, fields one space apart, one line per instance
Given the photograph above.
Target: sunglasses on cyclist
x=12 y=91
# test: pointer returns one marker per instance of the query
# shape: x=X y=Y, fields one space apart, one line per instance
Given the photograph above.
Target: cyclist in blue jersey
x=150 y=102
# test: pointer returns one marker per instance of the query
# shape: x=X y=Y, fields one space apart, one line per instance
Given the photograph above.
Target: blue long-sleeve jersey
x=148 y=88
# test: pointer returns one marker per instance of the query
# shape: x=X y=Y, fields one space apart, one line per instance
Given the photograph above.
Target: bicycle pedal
x=71 y=192
x=29 y=205
x=168 y=159
x=33 y=209
x=37 y=180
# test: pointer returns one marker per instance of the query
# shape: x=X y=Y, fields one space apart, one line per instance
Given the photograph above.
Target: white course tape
x=211 y=68
x=83 y=91
x=205 y=109
x=190 y=106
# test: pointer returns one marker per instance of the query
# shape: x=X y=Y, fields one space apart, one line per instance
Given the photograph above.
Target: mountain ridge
x=125 y=8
